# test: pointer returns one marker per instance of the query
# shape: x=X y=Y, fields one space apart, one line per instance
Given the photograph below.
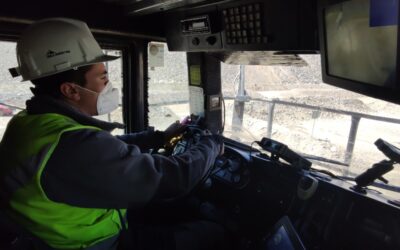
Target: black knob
x=195 y=41
x=305 y=183
x=211 y=40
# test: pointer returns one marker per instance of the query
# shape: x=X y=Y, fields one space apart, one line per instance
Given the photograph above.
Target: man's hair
x=50 y=85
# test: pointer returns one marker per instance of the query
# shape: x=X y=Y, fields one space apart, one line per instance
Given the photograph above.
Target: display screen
x=196 y=25
x=280 y=240
x=195 y=75
x=361 y=41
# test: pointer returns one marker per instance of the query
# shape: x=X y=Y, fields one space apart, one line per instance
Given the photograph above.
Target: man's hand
x=174 y=130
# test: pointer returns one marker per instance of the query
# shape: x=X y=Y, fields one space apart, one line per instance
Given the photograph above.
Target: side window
x=114 y=69
x=168 y=86
x=14 y=93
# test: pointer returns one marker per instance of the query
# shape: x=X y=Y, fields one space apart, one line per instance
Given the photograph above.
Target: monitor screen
x=361 y=41
x=280 y=240
x=284 y=237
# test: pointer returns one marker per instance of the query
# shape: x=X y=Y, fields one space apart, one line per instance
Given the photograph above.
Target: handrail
x=331 y=110
x=355 y=121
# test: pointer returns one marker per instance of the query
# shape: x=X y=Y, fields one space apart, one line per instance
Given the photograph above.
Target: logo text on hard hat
x=51 y=53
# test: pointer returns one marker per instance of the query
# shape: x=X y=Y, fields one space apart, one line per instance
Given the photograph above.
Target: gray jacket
x=95 y=169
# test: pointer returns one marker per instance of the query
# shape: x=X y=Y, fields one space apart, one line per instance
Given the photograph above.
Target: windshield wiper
x=323 y=159
x=350 y=178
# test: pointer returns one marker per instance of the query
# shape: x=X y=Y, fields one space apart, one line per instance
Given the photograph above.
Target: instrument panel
x=251 y=25
x=254 y=192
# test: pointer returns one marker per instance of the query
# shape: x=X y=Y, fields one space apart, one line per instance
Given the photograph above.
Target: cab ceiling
x=143 y=7
x=132 y=16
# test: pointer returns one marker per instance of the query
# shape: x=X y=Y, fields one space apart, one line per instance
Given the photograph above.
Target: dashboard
x=254 y=191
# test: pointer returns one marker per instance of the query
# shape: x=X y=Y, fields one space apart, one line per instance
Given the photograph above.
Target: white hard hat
x=54 y=45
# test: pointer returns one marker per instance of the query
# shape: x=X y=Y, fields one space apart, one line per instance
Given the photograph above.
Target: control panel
x=251 y=25
x=196 y=25
x=232 y=168
x=243 y=25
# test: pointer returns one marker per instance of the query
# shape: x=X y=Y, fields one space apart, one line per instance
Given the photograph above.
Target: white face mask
x=107 y=99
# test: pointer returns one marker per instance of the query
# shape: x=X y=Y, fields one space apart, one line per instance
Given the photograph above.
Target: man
x=64 y=177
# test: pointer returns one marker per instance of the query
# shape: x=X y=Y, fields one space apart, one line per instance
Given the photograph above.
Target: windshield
x=290 y=104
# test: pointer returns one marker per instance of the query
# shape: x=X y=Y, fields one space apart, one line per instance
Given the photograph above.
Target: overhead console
x=244 y=26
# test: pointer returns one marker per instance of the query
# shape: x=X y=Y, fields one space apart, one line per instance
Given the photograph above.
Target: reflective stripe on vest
x=27 y=145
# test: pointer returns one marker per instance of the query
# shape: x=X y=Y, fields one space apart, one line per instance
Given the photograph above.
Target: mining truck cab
x=305 y=94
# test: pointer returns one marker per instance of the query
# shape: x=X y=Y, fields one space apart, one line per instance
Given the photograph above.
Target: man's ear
x=70 y=91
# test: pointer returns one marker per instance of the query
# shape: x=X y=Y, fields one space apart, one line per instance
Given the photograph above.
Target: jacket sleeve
x=95 y=169
x=144 y=140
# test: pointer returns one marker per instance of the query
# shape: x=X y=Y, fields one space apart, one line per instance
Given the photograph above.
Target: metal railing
x=355 y=120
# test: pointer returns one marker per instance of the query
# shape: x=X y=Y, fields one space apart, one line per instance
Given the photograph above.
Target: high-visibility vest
x=27 y=145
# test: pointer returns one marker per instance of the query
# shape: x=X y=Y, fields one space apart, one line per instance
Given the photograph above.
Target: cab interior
x=251 y=189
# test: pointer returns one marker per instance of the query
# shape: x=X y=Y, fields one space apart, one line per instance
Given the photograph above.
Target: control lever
x=379 y=169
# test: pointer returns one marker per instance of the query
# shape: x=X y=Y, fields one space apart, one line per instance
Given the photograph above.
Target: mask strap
x=85 y=88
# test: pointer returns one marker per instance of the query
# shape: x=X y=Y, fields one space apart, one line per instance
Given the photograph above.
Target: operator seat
x=14 y=237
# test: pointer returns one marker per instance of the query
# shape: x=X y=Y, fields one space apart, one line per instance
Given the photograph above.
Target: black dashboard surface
x=255 y=191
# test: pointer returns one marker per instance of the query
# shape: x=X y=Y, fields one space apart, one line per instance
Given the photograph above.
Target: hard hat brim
x=103 y=58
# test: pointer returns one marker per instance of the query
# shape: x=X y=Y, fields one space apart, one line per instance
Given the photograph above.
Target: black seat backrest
x=9 y=233
x=14 y=237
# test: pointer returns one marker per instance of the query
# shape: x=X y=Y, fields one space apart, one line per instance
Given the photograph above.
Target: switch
x=211 y=40
x=195 y=41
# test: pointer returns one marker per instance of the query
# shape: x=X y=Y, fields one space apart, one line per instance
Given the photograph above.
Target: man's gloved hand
x=174 y=130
